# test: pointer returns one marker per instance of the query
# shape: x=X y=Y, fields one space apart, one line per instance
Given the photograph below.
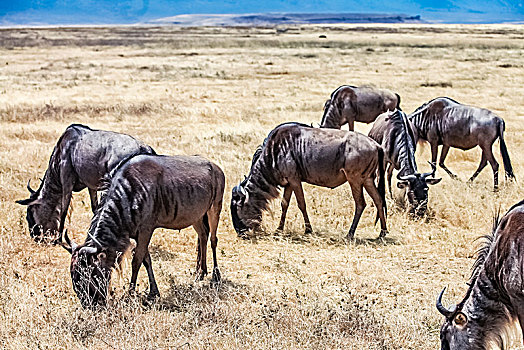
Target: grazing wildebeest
x=495 y=297
x=80 y=159
x=144 y=193
x=392 y=130
x=362 y=104
x=443 y=121
x=294 y=153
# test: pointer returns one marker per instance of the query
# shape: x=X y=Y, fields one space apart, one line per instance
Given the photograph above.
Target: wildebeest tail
x=398 y=101
x=205 y=220
x=381 y=181
x=508 y=168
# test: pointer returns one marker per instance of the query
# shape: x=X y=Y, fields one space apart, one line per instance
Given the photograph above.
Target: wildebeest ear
x=402 y=184
x=433 y=181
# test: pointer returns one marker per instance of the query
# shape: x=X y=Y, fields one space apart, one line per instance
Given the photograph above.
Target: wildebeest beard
x=90 y=279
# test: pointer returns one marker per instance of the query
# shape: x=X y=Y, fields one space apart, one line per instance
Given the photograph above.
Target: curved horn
x=440 y=307
x=71 y=245
x=432 y=173
x=88 y=250
x=406 y=178
x=29 y=187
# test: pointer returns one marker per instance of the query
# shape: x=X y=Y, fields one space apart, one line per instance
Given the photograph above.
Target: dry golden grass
x=218 y=92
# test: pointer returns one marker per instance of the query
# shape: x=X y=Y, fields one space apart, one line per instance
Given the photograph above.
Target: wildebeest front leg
x=285 y=204
x=494 y=165
x=203 y=235
x=443 y=155
x=214 y=216
x=390 y=175
x=153 y=288
x=360 y=205
x=94 y=199
x=299 y=195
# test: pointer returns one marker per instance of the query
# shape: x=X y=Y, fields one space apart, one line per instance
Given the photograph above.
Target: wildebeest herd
x=142 y=191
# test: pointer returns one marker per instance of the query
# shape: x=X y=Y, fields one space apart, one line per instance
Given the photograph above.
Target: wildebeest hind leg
x=370 y=187
x=443 y=155
x=214 y=215
x=482 y=165
x=285 y=204
x=360 y=205
x=299 y=195
x=202 y=230
x=153 y=288
x=494 y=165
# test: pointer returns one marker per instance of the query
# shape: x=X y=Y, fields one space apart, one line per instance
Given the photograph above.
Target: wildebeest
x=443 y=121
x=80 y=159
x=495 y=297
x=348 y=104
x=294 y=153
x=144 y=193
x=392 y=130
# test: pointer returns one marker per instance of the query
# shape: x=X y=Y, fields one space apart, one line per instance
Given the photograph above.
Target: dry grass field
x=217 y=92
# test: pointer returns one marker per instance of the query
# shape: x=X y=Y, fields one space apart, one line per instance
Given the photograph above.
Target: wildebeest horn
x=71 y=246
x=432 y=173
x=406 y=178
x=29 y=187
x=440 y=307
x=88 y=250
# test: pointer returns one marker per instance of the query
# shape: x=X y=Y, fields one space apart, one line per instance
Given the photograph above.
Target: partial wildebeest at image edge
x=80 y=159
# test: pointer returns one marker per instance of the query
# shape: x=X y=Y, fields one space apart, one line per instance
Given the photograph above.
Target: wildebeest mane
x=422 y=107
x=403 y=140
x=262 y=186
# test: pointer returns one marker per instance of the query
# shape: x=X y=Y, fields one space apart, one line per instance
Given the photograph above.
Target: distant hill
x=253 y=12
x=268 y=19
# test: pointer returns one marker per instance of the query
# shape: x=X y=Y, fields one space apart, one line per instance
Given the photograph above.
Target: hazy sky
x=113 y=11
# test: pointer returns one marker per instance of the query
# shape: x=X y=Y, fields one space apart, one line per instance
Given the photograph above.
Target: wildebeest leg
x=482 y=165
x=390 y=175
x=153 y=289
x=94 y=199
x=214 y=216
x=66 y=200
x=360 y=204
x=443 y=155
x=351 y=124
x=202 y=229
x=299 y=195
x=141 y=250
x=494 y=165
x=288 y=191
x=370 y=187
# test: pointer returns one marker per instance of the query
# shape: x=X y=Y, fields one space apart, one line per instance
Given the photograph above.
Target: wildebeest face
x=42 y=219
x=456 y=333
x=417 y=191
x=239 y=198
x=90 y=274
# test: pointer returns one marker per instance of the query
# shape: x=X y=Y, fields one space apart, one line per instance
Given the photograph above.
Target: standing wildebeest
x=443 y=121
x=80 y=159
x=393 y=131
x=495 y=297
x=294 y=153
x=144 y=193
x=362 y=104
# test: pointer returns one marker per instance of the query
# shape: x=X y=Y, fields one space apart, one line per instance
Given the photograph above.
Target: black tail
x=206 y=223
x=381 y=182
x=398 y=101
x=504 y=151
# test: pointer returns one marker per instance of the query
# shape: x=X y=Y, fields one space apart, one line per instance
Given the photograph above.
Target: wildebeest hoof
x=152 y=296
x=309 y=230
x=350 y=236
x=383 y=233
x=200 y=275
x=215 y=278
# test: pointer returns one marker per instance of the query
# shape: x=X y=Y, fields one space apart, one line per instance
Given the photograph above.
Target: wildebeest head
x=459 y=330
x=42 y=217
x=239 y=197
x=90 y=273
x=417 y=189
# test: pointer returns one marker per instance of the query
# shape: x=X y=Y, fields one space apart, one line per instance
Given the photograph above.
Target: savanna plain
x=218 y=92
